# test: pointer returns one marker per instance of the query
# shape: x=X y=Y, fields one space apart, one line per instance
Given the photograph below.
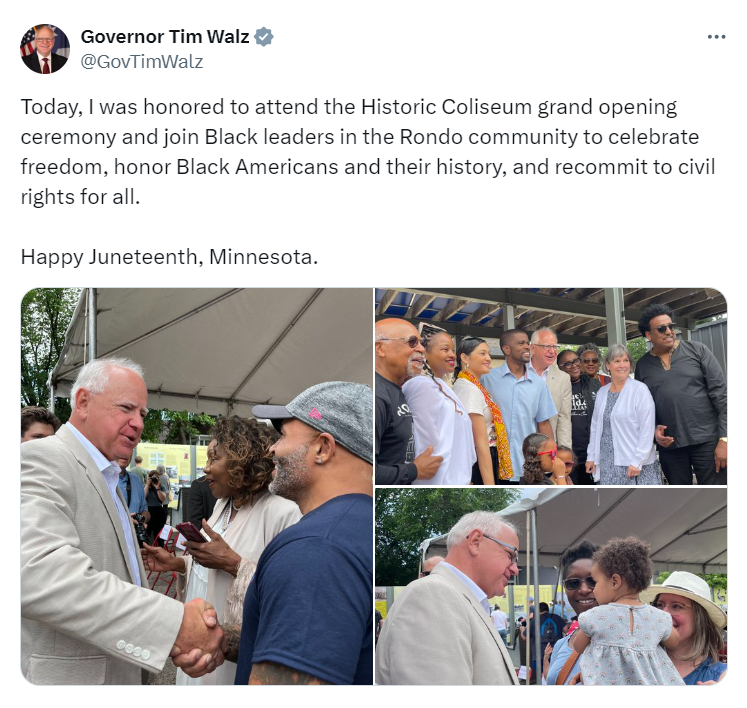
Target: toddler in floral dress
x=623 y=640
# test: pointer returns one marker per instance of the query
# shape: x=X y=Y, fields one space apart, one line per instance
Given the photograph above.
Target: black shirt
x=581 y=410
x=690 y=398
x=395 y=446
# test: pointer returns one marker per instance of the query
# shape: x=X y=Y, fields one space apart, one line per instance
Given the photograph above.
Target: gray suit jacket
x=559 y=384
x=83 y=621
x=437 y=633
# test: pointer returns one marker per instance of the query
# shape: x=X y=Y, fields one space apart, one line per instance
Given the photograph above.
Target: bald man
x=430 y=564
x=400 y=355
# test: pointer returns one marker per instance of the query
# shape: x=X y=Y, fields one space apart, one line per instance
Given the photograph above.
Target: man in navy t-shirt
x=308 y=617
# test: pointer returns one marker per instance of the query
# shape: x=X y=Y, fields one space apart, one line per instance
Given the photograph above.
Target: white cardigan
x=633 y=426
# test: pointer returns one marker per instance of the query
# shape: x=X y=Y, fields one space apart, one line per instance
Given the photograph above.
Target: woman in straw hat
x=699 y=622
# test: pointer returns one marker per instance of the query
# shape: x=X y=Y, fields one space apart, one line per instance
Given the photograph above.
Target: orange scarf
x=505 y=469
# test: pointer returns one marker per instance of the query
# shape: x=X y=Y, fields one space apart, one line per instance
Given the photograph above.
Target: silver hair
x=535 y=334
x=94 y=376
x=615 y=351
x=486 y=521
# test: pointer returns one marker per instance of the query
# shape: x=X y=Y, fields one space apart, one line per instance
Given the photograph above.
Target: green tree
x=45 y=316
x=175 y=427
x=406 y=517
x=716 y=581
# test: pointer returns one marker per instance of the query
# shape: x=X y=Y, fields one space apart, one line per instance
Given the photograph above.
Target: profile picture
x=45 y=49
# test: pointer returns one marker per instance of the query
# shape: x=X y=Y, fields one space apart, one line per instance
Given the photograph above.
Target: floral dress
x=620 y=655
x=610 y=473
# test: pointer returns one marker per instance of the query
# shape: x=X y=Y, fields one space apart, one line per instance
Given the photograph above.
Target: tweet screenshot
x=215 y=216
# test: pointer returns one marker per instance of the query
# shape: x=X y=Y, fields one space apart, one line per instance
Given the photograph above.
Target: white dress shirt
x=110 y=471
x=481 y=597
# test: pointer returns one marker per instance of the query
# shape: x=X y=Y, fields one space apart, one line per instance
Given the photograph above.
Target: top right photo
x=550 y=386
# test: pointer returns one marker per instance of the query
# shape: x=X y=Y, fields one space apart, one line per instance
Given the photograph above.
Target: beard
x=291 y=474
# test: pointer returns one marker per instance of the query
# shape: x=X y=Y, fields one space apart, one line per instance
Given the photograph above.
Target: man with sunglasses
x=439 y=630
x=689 y=392
x=43 y=61
x=584 y=390
x=400 y=355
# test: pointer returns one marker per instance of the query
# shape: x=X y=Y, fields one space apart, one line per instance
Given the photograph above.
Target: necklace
x=666 y=365
x=225 y=519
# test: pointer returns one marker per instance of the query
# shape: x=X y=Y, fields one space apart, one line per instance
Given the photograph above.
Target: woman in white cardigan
x=621 y=444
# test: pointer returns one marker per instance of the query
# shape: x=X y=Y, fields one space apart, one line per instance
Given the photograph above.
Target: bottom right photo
x=583 y=586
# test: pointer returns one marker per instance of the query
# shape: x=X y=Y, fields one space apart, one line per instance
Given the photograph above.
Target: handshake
x=200 y=646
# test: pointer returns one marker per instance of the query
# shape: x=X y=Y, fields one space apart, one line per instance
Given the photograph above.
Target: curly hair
x=655 y=309
x=583 y=550
x=629 y=558
x=246 y=443
x=533 y=472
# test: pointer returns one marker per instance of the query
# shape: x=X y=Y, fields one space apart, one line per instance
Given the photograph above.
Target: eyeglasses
x=663 y=328
x=571 y=364
x=412 y=341
x=575 y=583
x=590 y=361
x=513 y=555
x=675 y=608
x=569 y=465
x=548 y=347
x=553 y=453
x=41 y=40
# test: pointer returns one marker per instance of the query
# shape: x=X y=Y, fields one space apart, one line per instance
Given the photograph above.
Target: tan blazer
x=437 y=633
x=82 y=619
x=559 y=384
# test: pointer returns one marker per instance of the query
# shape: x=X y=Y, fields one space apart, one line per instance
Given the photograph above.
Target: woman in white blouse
x=474 y=361
x=439 y=418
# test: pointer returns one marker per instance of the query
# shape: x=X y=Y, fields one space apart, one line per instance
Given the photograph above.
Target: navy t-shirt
x=308 y=606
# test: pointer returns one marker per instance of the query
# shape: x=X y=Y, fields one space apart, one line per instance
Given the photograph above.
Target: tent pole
x=535 y=571
x=527 y=661
x=92 y=324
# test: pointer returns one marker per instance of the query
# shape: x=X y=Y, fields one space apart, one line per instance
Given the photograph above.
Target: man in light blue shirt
x=522 y=396
x=132 y=489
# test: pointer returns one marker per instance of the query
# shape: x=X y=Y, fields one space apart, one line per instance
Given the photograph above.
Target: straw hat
x=693 y=588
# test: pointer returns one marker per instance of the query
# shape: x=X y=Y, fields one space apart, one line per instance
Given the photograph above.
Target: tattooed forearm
x=232 y=633
x=269 y=673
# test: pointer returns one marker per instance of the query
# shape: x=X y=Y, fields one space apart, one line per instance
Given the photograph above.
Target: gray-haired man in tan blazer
x=439 y=631
x=87 y=615
x=544 y=349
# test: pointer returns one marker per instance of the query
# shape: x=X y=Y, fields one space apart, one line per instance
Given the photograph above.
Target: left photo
x=196 y=486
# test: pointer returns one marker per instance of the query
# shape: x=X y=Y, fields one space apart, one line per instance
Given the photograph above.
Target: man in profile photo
x=43 y=60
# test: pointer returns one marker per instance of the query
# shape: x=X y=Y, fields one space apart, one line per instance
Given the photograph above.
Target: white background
x=578 y=231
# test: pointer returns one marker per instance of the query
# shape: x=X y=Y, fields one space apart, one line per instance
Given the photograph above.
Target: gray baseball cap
x=342 y=409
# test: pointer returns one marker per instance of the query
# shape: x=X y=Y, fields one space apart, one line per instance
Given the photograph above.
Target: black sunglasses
x=663 y=328
x=575 y=583
x=412 y=341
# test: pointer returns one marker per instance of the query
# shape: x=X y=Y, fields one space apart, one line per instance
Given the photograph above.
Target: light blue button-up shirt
x=481 y=597
x=110 y=471
x=524 y=402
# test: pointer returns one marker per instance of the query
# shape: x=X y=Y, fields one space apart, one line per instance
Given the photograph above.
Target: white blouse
x=474 y=402
x=440 y=419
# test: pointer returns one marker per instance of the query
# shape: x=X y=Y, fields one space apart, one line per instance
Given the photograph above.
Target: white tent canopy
x=686 y=527
x=208 y=350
